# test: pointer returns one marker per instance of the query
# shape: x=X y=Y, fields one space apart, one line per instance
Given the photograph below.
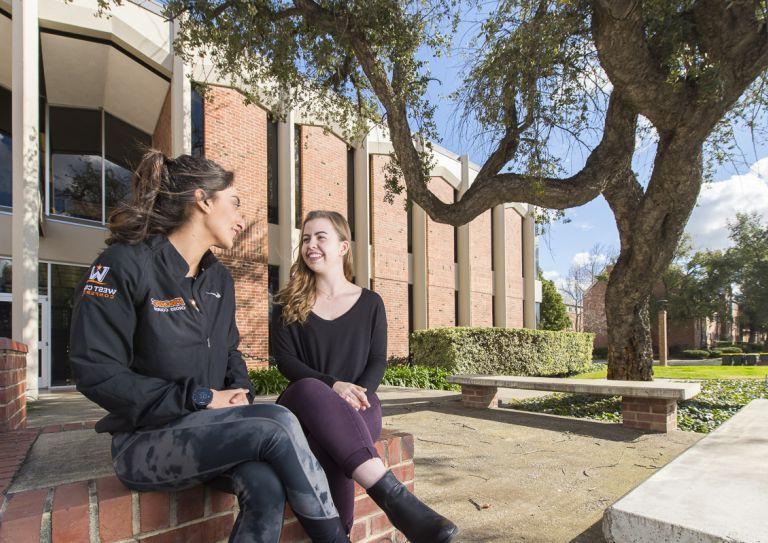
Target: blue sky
x=739 y=186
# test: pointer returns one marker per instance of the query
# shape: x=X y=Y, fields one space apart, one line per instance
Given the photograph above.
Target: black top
x=144 y=337
x=351 y=348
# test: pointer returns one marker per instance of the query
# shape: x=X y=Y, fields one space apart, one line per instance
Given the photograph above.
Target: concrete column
x=26 y=182
x=529 y=269
x=181 y=104
x=419 y=248
x=499 y=265
x=362 y=215
x=464 y=250
x=286 y=182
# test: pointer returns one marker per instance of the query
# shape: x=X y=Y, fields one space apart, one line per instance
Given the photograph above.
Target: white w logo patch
x=98 y=273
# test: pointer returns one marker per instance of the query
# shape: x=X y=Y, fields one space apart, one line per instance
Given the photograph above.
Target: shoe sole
x=451 y=536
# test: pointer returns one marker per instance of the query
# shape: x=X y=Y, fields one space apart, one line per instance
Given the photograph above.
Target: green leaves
x=718 y=401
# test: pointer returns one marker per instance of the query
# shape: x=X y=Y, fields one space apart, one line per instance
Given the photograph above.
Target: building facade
x=80 y=96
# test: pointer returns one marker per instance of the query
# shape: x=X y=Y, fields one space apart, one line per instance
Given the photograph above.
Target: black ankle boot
x=329 y=530
x=418 y=522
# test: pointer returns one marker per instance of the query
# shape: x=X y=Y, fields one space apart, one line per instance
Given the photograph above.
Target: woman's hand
x=353 y=394
x=228 y=398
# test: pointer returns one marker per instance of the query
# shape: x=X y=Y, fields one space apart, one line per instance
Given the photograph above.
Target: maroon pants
x=340 y=437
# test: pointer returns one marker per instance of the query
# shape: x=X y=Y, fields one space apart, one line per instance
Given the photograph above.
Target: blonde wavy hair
x=298 y=296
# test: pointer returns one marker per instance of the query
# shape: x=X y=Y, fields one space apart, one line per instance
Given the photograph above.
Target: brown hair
x=298 y=296
x=163 y=190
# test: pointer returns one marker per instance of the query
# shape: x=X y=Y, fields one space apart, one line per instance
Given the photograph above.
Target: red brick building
x=88 y=118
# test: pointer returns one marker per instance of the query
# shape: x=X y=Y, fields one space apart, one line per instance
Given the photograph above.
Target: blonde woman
x=330 y=340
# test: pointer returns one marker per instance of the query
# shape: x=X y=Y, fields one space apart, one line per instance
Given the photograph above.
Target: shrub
x=600 y=353
x=715 y=353
x=427 y=377
x=554 y=314
x=268 y=381
x=730 y=350
x=723 y=344
x=271 y=381
x=696 y=354
x=505 y=351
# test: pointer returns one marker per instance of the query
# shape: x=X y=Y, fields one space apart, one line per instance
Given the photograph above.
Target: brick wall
x=104 y=510
x=441 y=269
x=389 y=268
x=481 y=266
x=13 y=378
x=513 y=226
x=594 y=313
x=236 y=138
x=323 y=171
x=161 y=138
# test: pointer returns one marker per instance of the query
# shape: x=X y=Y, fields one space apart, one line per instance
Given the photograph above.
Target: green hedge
x=271 y=381
x=696 y=354
x=502 y=351
x=745 y=359
x=729 y=350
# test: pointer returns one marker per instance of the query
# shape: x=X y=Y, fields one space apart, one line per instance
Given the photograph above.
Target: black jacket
x=138 y=346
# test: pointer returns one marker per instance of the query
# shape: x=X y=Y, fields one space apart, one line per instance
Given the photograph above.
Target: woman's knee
x=257 y=484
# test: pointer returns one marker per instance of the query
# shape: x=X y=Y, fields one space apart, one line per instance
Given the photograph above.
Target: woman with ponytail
x=154 y=342
x=330 y=340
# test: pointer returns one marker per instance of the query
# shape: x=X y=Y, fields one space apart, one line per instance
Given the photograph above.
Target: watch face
x=202 y=396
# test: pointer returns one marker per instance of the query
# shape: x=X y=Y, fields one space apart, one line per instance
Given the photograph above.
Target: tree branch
x=617 y=28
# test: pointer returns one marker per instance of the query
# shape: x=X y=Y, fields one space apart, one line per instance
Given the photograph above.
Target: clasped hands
x=353 y=394
x=228 y=398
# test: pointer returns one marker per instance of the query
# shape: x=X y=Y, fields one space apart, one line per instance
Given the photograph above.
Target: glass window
x=273 y=285
x=76 y=162
x=410 y=308
x=64 y=280
x=455 y=234
x=409 y=220
x=124 y=146
x=198 y=124
x=493 y=232
x=297 y=144
x=273 y=199
x=455 y=307
x=351 y=190
x=6 y=181
x=6 y=277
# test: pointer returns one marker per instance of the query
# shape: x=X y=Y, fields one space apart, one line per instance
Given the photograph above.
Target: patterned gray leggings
x=258 y=451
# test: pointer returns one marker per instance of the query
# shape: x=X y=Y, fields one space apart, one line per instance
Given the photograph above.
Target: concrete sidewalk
x=502 y=475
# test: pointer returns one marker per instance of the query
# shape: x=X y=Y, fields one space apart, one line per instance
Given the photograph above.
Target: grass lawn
x=695 y=372
x=724 y=390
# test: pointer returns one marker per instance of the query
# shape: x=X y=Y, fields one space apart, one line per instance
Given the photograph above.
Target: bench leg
x=651 y=414
x=479 y=397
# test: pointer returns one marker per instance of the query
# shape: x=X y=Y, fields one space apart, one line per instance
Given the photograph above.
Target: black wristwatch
x=202 y=397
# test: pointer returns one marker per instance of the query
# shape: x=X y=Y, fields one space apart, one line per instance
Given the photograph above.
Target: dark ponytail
x=163 y=190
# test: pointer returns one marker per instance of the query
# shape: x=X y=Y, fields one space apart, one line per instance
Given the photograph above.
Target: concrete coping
x=639 y=389
x=715 y=491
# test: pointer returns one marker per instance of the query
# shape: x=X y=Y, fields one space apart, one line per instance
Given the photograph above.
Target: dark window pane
x=273 y=214
x=198 y=124
x=455 y=232
x=76 y=162
x=6 y=277
x=117 y=183
x=6 y=179
x=124 y=146
x=297 y=164
x=5 y=110
x=351 y=190
x=64 y=279
x=409 y=220
x=76 y=183
x=410 y=309
x=75 y=131
x=273 y=285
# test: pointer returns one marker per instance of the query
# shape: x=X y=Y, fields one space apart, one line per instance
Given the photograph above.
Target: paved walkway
x=502 y=475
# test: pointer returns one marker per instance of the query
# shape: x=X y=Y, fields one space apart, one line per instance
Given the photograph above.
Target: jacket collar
x=173 y=259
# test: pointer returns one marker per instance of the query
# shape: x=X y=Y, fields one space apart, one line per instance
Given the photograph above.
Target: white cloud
x=720 y=201
x=551 y=275
x=582 y=259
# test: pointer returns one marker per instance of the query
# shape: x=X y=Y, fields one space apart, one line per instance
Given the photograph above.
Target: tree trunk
x=630 y=351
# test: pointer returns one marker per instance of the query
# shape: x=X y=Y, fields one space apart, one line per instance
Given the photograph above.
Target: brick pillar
x=13 y=402
x=650 y=414
x=480 y=397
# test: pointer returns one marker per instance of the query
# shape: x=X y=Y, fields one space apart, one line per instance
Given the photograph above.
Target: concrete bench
x=645 y=405
x=717 y=490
